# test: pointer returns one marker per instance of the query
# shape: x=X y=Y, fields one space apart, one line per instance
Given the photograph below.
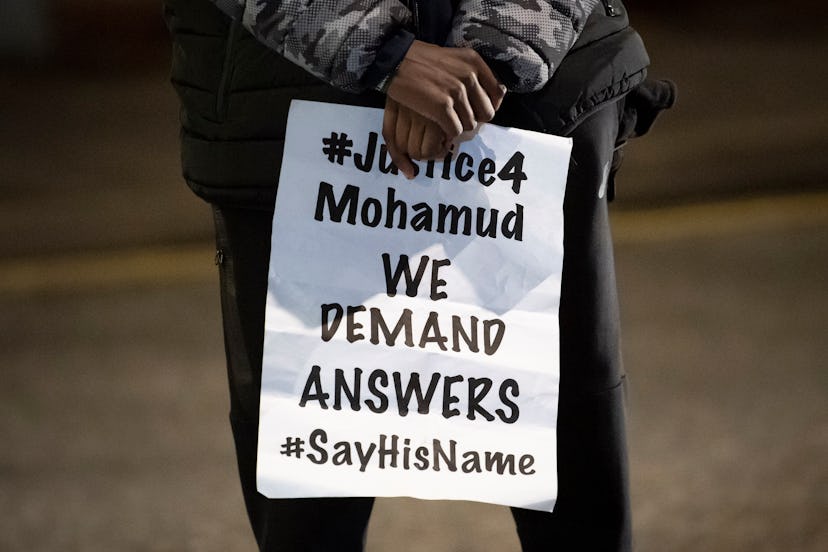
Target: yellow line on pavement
x=107 y=269
x=720 y=218
x=194 y=263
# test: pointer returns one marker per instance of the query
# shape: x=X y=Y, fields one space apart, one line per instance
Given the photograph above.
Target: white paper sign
x=411 y=333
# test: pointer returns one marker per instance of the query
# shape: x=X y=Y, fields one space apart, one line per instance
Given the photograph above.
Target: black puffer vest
x=235 y=95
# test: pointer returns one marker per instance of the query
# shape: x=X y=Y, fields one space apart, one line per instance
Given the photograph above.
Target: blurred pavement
x=114 y=401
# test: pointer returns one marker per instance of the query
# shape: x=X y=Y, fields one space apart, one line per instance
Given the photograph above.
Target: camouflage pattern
x=337 y=40
x=530 y=37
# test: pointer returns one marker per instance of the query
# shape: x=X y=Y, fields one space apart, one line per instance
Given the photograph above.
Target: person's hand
x=408 y=135
x=451 y=86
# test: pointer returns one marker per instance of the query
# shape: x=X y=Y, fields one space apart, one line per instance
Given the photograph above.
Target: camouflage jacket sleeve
x=338 y=41
x=523 y=40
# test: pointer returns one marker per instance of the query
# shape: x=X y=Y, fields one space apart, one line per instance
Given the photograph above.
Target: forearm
x=349 y=44
x=524 y=41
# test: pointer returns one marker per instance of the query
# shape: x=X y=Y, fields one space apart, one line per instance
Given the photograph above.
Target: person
x=570 y=67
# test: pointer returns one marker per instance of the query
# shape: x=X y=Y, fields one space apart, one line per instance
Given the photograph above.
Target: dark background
x=113 y=398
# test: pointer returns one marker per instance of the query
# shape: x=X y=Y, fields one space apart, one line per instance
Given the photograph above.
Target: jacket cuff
x=389 y=57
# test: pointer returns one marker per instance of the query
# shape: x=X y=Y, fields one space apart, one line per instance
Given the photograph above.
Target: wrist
x=387 y=60
x=385 y=83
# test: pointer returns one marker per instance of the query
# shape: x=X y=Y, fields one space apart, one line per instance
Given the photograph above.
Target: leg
x=592 y=511
x=243 y=238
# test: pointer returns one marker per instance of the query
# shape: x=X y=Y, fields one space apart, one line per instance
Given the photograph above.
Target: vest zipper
x=413 y=5
x=224 y=82
x=611 y=9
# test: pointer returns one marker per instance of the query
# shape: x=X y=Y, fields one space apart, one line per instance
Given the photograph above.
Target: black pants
x=592 y=512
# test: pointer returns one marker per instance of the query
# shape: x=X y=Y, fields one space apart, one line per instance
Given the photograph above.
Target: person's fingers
x=465 y=64
x=426 y=94
x=448 y=121
x=500 y=97
x=489 y=83
x=402 y=162
x=401 y=130
x=459 y=82
x=389 y=121
x=398 y=148
x=389 y=130
x=481 y=104
x=462 y=106
x=441 y=111
x=415 y=137
x=434 y=145
x=452 y=86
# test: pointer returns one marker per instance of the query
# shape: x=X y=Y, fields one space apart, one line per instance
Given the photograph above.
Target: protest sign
x=411 y=328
